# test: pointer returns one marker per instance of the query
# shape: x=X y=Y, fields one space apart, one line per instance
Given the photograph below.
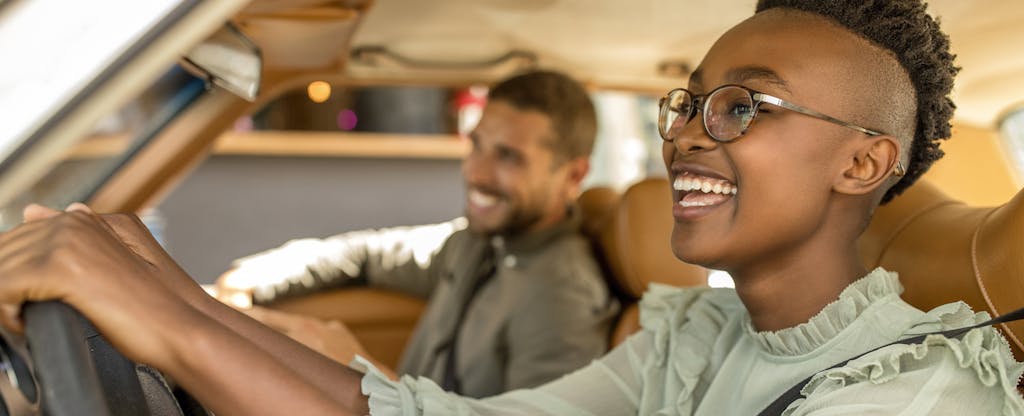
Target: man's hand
x=234 y=288
x=330 y=338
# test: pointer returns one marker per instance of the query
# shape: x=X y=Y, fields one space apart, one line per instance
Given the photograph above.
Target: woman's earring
x=899 y=170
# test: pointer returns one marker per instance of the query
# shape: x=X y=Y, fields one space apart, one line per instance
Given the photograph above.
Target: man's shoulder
x=570 y=256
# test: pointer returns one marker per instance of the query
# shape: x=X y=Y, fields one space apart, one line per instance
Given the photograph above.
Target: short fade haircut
x=561 y=99
x=904 y=28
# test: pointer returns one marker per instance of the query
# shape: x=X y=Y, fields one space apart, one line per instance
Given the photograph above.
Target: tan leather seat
x=946 y=251
x=382 y=320
x=632 y=237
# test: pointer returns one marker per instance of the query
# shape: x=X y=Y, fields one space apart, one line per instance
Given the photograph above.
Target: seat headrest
x=633 y=233
x=945 y=251
x=998 y=264
x=597 y=205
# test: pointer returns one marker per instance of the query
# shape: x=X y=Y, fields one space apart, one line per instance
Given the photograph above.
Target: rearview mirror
x=230 y=60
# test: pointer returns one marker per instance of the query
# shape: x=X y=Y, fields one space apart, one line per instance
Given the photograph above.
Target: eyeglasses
x=728 y=112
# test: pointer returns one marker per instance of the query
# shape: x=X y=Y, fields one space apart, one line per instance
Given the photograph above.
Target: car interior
x=194 y=71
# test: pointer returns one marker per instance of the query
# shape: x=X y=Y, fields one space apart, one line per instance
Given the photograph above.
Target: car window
x=86 y=165
x=1012 y=129
x=53 y=88
x=81 y=41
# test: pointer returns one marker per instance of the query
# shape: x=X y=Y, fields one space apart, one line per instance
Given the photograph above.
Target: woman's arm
x=112 y=271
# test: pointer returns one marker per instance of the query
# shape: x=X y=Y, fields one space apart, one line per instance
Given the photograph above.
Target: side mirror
x=230 y=60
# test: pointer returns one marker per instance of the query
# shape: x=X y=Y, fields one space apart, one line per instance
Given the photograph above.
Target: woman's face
x=782 y=170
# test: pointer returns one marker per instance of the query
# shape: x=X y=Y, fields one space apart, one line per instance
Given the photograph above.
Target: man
x=515 y=297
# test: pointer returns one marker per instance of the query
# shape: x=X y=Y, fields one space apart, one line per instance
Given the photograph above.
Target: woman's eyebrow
x=759 y=73
x=696 y=80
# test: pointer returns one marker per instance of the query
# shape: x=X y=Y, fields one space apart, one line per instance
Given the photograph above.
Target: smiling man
x=515 y=296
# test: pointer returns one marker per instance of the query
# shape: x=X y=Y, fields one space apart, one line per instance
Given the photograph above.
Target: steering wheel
x=79 y=372
x=59 y=348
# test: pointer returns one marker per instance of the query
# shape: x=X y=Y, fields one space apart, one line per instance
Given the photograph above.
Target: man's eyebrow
x=760 y=73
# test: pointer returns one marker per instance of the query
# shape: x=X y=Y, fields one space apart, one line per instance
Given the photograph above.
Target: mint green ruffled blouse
x=697 y=354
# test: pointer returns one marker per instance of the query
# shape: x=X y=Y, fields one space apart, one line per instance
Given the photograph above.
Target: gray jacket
x=545 y=312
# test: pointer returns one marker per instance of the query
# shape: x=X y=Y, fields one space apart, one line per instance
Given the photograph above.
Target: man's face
x=513 y=181
x=784 y=167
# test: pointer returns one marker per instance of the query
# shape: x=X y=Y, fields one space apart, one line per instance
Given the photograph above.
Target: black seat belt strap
x=780 y=404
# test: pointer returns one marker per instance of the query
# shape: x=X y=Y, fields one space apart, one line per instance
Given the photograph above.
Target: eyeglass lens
x=727 y=113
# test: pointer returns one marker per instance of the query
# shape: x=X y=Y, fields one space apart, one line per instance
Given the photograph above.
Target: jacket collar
x=524 y=243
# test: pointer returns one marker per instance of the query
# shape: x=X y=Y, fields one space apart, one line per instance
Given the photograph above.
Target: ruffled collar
x=802 y=339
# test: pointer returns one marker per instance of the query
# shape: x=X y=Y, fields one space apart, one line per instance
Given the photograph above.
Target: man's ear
x=577 y=169
x=871 y=164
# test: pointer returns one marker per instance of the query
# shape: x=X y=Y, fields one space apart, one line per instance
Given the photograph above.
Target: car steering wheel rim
x=69 y=383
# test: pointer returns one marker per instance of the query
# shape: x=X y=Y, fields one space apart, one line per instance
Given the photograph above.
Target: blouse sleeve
x=609 y=386
x=941 y=376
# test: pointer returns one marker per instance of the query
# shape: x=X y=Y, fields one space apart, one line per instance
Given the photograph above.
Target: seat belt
x=780 y=404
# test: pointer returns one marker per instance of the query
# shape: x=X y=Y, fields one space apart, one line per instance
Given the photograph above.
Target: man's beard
x=518 y=221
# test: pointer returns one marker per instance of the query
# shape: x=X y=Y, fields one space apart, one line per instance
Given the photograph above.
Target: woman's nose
x=692 y=136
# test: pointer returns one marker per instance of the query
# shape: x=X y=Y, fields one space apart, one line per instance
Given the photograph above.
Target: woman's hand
x=112 y=270
x=108 y=268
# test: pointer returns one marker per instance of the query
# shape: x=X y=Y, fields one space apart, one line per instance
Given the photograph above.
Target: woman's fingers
x=80 y=207
x=36 y=212
x=10 y=318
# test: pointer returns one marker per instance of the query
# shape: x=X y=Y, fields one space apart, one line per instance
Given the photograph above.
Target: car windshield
x=84 y=166
x=41 y=160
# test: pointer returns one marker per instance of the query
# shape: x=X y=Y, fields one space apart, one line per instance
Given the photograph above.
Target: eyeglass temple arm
x=899 y=169
x=807 y=111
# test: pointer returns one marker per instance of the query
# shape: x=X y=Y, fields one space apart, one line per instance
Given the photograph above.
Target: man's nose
x=476 y=168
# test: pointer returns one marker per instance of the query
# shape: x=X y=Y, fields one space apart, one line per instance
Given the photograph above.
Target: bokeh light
x=347 y=119
x=318 y=91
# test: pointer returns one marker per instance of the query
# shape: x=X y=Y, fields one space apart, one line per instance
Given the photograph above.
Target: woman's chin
x=708 y=259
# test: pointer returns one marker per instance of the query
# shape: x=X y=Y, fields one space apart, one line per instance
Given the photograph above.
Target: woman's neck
x=786 y=293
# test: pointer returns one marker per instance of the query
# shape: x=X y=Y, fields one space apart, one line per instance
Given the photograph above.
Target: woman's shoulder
x=975 y=373
x=663 y=307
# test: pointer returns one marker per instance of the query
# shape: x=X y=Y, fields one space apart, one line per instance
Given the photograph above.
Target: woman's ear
x=871 y=164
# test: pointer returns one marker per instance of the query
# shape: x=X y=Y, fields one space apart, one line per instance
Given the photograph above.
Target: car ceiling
x=608 y=43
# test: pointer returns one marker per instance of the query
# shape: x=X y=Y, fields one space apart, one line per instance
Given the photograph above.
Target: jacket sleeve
x=399 y=258
x=562 y=325
x=610 y=385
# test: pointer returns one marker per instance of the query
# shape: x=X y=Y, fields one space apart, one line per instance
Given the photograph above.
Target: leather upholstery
x=381 y=320
x=632 y=239
x=946 y=251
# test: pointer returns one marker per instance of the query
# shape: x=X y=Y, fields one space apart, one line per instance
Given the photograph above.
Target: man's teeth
x=703 y=185
x=482 y=199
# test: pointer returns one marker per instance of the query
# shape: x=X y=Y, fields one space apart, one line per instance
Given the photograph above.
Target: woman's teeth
x=707 y=186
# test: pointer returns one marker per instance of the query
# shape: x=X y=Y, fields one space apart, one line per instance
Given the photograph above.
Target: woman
x=796 y=125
